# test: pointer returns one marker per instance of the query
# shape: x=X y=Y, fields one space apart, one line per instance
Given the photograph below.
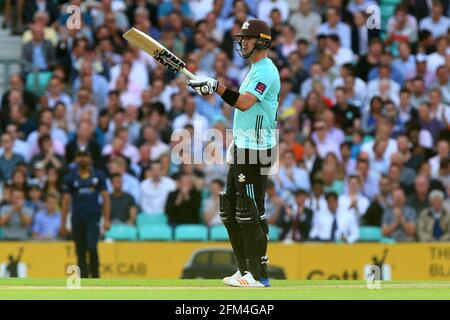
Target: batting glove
x=203 y=85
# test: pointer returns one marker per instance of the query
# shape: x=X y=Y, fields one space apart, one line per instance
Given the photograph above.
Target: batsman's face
x=248 y=44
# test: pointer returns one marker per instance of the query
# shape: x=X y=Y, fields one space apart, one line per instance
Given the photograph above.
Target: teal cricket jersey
x=255 y=127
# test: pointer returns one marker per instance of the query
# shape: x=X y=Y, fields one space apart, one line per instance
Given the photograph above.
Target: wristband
x=230 y=96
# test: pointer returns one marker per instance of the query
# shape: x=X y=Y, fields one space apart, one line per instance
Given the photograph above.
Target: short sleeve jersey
x=255 y=127
x=85 y=193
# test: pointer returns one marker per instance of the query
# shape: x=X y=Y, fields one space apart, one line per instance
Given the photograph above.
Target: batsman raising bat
x=254 y=141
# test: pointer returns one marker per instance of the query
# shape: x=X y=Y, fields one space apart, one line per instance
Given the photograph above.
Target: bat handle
x=188 y=74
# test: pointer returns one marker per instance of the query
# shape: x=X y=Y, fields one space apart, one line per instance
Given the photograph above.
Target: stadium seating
x=122 y=232
x=274 y=233
x=387 y=240
x=370 y=234
x=218 y=233
x=191 y=232
x=155 y=232
x=144 y=219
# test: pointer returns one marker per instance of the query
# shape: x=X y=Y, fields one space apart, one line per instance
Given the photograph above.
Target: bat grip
x=188 y=74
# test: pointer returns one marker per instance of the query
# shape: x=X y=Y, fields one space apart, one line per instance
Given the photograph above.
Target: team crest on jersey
x=241 y=178
x=260 y=87
x=245 y=25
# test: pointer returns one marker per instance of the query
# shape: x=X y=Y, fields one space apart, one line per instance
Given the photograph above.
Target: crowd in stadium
x=364 y=113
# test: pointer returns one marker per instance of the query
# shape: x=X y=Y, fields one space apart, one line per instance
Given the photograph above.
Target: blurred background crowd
x=364 y=113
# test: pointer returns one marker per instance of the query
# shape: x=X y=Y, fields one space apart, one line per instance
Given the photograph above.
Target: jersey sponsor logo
x=260 y=87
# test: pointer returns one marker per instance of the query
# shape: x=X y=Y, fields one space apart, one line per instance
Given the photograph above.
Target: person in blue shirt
x=82 y=188
x=255 y=118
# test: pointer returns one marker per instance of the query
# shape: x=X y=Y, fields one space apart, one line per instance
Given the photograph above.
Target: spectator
x=47 y=221
x=32 y=7
x=305 y=21
x=9 y=159
x=443 y=83
x=399 y=221
x=443 y=152
x=297 y=219
x=39 y=53
x=437 y=23
x=432 y=125
x=118 y=165
x=47 y=155
x=17 y=86
x=316 y=200
x=266 y=6
x=383 y=201
x=291 y=177
x=347 y=115
x=123 y=206
x=334 y=223
x=155 y=190
x=322 y=140
x=183 y=204
x=34 y=195
x=334 y=26
x=16 y=218
x=434 y=222
x=211 y=205
x=353 y=201
x=83 y=104
x=402 y=27
x=84 y=139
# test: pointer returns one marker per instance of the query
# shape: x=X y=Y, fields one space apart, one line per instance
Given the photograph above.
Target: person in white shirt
x=121 y=146
x=155 y=190
x=333 y=133
x=130 y=184
x=334 y=223
x=200 y=8
x=192 y=117
x=266 y=6
x=340 y=54
x=437 y=58
x=439 y=110
x=19 y=146
x=353 y=201
x=157 y=147
x=316 y=200
x=443 y=152
x=436 y=23
x=291 y=177
x=305 y=21
x=334 y=26
x=323 y=143
x=443 y=83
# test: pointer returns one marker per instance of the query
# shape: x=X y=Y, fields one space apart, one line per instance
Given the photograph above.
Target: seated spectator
x=437 y=23
x=399 y=221
x=316 y=200
x=296 y=219
x=274 y=202
x=305 y=21
x=130 y=184
x=34 y=196
x=17 y=86
x=50 y=34
x=291 y=177
x=47 y=221
x=323 y=141
x=383 y=201
x=370 y=178
x=183 y=204
x=333 y=25
x=332 y=183
x=419 y=198
x=81 y=105
x=353 y=201
x=432 y=125
x=434 y=222
x=9 y=159
x=16 y=218
x=151 y=138
x=84 y=139
x=311 y=160
x=123 y=206
x=120 y=146
x=155 y=190
x=443 y=152
x=211 y=206
x=39 y=53
x=334 y=223
x=47 y=156
x=55 y=92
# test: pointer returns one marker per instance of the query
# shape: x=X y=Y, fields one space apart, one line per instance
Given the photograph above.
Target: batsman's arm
x=240 y=101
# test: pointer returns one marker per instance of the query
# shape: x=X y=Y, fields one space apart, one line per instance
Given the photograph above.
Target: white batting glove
x=203 y=85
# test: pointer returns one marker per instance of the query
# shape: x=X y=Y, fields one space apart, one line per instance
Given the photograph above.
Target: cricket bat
x=158 y=51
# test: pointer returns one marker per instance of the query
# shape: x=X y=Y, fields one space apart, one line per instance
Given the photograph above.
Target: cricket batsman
x=252 y=150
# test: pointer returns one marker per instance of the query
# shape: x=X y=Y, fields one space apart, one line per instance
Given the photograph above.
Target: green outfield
x=215 y=290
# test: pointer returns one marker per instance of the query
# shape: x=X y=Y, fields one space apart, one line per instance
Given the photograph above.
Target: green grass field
x=215 y=290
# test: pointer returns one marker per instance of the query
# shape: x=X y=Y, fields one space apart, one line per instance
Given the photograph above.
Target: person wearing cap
x=82 y=189
x=434 y=221
x=251 y=153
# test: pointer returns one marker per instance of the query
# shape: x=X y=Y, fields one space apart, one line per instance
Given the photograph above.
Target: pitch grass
x=214 y=290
